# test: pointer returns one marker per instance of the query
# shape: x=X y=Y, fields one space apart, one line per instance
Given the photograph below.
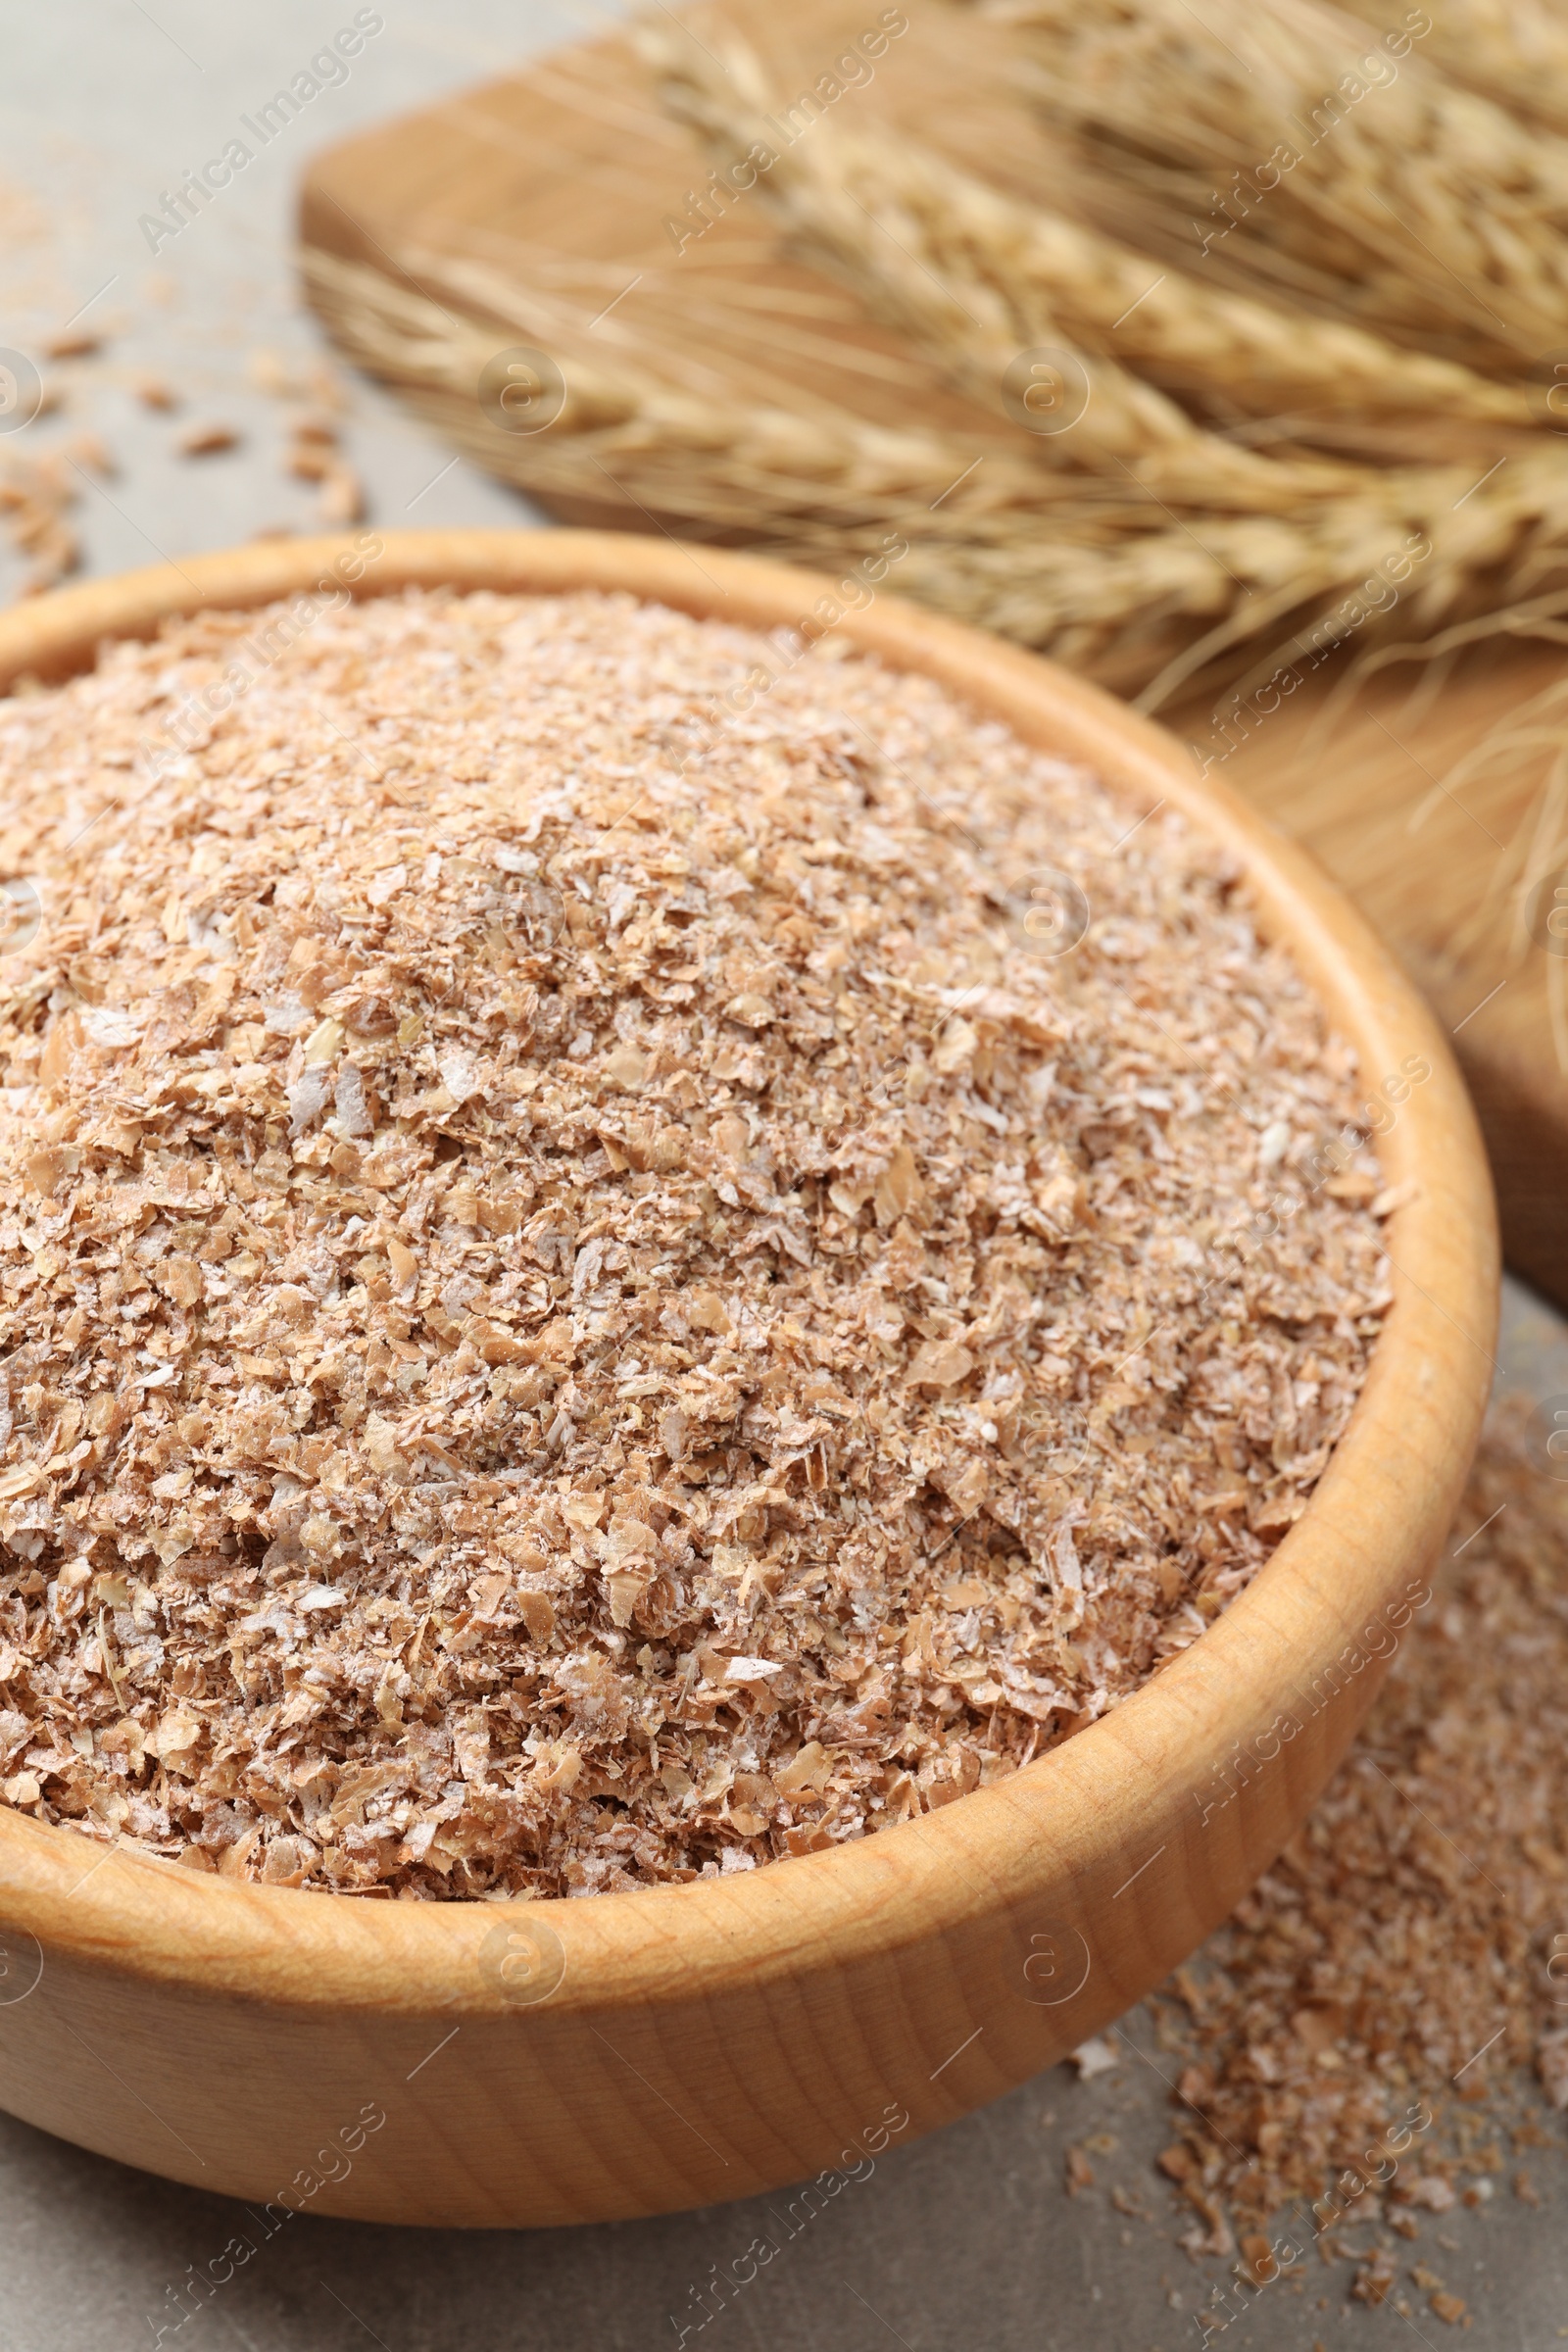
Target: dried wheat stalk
x=1514 y=51
x=1411 y=204
x=1100 y=573
x=976 y=277
x=1126 y=424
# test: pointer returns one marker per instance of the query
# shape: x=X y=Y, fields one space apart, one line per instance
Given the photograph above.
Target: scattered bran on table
x=582 y=1305
x=1410 y=1945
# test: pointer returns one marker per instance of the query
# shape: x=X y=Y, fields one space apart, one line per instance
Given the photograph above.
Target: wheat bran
x=1406 y=1951
x=582 y=1305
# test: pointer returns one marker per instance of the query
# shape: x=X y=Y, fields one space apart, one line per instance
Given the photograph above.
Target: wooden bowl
x=479 y=2064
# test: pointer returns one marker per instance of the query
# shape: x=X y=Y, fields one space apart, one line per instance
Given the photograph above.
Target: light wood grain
x=562 y=179
x=720 y=2038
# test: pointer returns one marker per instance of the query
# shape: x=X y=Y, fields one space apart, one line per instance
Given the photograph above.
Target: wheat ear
x=1513 y=51
x=1106 y=577
x=974 y=277
x=1302 y=147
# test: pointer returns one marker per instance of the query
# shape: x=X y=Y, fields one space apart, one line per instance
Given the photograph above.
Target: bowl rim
x=1376 y=1515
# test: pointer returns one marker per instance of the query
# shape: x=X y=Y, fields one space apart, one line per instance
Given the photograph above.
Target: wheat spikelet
x=1411 y=204
x=1514 y=51
x=975 y=278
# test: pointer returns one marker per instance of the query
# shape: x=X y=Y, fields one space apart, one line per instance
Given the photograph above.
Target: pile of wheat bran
x=585 y=1300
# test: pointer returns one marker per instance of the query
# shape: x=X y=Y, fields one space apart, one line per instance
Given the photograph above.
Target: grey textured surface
x=102 y=110
x=966 y=2240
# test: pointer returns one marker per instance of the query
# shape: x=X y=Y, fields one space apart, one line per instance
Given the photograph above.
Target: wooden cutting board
x=560 y=184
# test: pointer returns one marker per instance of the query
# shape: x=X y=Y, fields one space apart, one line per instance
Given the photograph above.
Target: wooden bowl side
x=538 y=2064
